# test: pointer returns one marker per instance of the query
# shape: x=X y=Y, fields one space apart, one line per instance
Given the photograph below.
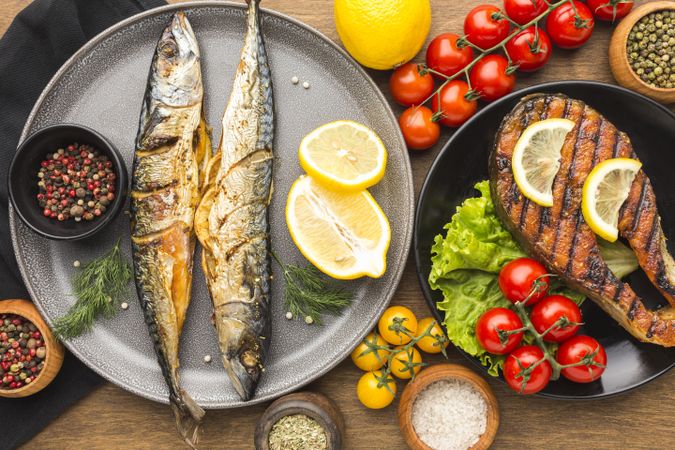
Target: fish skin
x=165 y=192
x=232 y=218
x=559 y=236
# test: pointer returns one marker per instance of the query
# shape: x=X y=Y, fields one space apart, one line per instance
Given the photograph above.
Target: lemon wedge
x=536 y=158
x=344 y=155
x=345 y=235
x=605 y=190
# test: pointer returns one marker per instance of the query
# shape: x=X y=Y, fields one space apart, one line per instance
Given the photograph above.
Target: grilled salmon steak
x=171 y=146
x=560 y=237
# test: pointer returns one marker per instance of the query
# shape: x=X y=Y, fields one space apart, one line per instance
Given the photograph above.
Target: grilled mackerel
x=559 y=236
x=231 y=221
x=171 y=145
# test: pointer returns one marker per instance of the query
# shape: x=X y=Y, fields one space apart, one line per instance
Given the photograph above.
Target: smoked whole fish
x=231 y=221
x=172 y=146
x=559 y=236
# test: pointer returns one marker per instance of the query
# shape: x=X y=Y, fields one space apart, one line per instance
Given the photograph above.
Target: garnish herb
x=98 y=287
x=308 y=295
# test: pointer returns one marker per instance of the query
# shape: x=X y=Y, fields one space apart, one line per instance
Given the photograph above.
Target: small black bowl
x=23 y=189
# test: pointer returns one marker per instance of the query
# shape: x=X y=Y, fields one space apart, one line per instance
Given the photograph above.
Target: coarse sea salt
x=449 y=415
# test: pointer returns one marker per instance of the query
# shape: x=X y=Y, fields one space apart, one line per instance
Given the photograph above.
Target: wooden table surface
x=113 y=418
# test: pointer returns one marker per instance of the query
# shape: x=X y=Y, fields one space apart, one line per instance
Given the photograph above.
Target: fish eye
x=168 y=50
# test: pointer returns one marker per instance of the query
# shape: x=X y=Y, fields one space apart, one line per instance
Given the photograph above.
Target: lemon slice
x=605 y=190
x=343 y=155
x=536 y=158
x=345 y=235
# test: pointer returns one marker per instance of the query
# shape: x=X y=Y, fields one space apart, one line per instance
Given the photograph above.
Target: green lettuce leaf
x=465 y=265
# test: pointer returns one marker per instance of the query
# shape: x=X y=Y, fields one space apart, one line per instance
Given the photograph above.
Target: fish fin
x=188 y=416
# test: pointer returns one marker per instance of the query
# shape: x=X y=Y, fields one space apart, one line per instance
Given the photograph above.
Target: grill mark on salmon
x=559 y=236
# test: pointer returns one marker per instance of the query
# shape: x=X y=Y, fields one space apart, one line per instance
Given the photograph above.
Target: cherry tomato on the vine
x=570 y=25
x=483 y=28
x=405 y=360
x=367 y=356
x=419 y=130
x=489 y=77
x=517 y=365
x=453 y=104
x=529 y=49
x=577 y=349
x=372 y=391
x=517 y=279
x=397 y=325
x=434 y=343
x=523 y=11
x=408 y=86
x=610 y=10
x=493 y=327
x=548 y=311
x=444 y=56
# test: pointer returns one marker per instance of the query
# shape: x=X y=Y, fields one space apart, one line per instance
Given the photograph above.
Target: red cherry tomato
x=610 y=10
x=491 y=328
x=547 y=312
x=453 y=104
x=529 y=49
x=489 y=78
x=570 y=29
x=516 y=280
x=419 y=131
x=523 y=11
x=484 y=31
x=408 y=87
x=576 y=349
x=445 y=57
x=520 y=360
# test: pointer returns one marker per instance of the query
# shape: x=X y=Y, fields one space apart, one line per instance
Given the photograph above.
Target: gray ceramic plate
x=102 y=85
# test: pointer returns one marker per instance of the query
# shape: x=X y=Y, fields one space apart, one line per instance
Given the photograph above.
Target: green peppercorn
x=650 y=48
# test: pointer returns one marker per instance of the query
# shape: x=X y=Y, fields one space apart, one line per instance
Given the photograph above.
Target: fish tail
x=188 y=416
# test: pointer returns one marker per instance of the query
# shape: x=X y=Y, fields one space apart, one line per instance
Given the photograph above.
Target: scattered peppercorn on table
x=111 y=417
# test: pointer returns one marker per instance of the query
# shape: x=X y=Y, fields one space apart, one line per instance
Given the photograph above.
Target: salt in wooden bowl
x=449 y=372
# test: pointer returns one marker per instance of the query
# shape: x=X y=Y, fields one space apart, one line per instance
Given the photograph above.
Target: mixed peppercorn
x=651 y=49
x=76 y=182
x=22 y=351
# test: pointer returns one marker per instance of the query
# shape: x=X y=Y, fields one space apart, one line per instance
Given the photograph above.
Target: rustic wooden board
x=113 y=418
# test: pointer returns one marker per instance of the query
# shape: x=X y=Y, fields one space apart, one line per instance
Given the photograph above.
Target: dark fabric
x=40 y=39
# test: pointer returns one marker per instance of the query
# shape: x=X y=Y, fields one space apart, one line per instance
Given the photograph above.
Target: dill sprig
x=97 y=286
x=307 y=293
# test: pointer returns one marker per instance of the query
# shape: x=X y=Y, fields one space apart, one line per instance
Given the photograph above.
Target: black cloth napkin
x=40 y=39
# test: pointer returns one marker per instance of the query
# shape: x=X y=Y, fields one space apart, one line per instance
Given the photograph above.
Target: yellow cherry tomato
x=365 y=357
x=433 y=343
x=395 y=322
x=401 y=362
x=372 y=390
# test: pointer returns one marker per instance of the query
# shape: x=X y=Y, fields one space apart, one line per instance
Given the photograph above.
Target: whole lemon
x=382 y=34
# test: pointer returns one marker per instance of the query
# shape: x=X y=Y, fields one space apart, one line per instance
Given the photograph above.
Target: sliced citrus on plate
x=536 y=158
x=605 y=190
x=345 y=235
x=343 y=155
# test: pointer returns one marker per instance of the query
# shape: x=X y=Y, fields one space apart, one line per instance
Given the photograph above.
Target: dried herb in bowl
x=297 y=432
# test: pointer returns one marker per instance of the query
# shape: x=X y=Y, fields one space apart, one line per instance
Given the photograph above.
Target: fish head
x=176 y=78
x=244 y=369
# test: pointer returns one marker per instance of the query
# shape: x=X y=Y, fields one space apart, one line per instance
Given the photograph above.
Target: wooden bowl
x=54 y=357
x=441 y=372
x=312 y=404
x=618 y=56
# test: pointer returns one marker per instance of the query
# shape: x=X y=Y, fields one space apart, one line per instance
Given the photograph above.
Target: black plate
x=464 y=161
